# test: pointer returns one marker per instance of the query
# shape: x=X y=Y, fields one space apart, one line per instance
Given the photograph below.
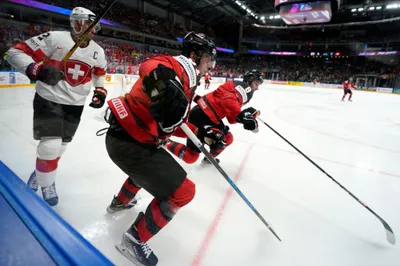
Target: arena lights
x=371 y=8
x=393 y=6
x=246 y=8
x=271 y=17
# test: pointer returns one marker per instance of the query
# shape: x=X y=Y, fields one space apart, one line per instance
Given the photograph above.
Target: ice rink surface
x=358 y=143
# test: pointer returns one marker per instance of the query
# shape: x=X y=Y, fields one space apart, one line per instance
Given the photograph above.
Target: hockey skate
x=50 y=194
x=135 y=250
x=205 y=161
x=117 y=206
x=33 y=182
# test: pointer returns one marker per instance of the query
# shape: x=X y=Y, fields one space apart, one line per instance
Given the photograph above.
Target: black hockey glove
x=210 y=135
x=254 y=112
x=99 y=97
x=45 y=73
x=247 y=119
x=169 y=104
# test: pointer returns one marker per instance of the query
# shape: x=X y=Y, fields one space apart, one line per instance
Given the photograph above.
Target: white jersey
x=86 y=66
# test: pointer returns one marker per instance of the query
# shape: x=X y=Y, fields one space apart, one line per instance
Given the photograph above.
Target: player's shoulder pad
x=46 y=39
x=242 y=88
x=240 y=83
x=149 y=65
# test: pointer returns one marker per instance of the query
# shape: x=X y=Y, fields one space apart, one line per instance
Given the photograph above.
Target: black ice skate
x=207 y=162
x=135 y=250
x=117 y=206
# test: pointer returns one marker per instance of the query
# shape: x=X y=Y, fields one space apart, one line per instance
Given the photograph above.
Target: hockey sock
x=46 y=171
x=48 y=152
x=344 y=95
x=351 y=94
x=128 y=191
x=181 y=151
x=160 y=212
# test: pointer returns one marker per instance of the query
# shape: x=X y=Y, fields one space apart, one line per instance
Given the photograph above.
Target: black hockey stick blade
x=389 y=232
x=197 y=142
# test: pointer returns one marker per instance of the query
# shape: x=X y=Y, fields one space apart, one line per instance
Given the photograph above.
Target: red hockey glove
x=99 y=97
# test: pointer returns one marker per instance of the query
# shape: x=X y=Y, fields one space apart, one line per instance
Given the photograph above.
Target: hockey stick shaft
x=197 y=142
x=87 y=31
x=389 y=232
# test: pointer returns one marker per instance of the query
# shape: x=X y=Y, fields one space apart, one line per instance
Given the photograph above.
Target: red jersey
x=226 y=101
x=207 y=77
x=129 y=70
x=347 y=85
x=132 y=111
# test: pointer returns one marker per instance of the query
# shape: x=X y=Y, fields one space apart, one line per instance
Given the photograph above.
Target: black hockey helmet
x=251 y=75
x=199 y=43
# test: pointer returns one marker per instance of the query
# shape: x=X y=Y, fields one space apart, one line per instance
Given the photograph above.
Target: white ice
x=358 y=143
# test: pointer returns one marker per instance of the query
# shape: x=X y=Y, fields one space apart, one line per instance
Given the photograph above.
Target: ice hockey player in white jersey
x=61 y=91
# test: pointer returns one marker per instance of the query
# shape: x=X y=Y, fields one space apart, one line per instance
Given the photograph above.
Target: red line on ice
x=213 y=226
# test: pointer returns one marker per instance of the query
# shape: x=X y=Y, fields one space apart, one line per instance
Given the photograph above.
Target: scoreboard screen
x=297 y=12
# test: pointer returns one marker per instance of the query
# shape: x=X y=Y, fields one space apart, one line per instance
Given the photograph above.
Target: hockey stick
x=197 y=142
x=389 y=232
x=87 y=31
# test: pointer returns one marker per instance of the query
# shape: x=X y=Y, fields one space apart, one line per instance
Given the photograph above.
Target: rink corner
x=56 y=238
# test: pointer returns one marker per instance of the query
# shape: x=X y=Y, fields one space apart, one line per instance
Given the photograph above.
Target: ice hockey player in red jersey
x=150 y=113
x=61 y=91
x=207 y=78
x=346 y=87
x=207 y=115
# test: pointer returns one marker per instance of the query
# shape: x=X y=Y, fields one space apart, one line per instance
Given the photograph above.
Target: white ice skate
x=33 y=182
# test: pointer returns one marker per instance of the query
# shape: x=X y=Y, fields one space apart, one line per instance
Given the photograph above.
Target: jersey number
x=44 y=35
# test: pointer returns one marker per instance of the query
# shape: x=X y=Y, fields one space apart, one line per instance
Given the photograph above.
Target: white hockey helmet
x=82 y=15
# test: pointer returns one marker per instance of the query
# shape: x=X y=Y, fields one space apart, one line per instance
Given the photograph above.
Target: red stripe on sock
x=46 y=166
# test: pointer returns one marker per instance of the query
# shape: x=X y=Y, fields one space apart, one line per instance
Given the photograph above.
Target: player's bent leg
x=344 y=95
x=125 y=198
x=156 y=171
x=160 y=212
x=48 y=120
x=48 y=152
